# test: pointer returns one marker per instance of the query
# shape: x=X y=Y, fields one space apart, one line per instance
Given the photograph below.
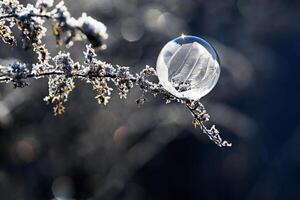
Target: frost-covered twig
x=61 y=70
x=30 y=20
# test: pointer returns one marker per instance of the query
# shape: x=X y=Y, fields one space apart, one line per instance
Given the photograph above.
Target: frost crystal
x=93 y=29
x=44 y=4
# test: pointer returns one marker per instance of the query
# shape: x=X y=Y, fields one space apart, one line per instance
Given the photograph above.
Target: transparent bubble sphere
x=188 y=67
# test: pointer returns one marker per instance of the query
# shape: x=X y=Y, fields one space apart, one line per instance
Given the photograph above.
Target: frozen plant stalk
x=187 y=67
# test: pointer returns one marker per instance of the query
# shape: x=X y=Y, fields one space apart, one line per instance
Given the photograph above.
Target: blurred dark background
x=120 y=151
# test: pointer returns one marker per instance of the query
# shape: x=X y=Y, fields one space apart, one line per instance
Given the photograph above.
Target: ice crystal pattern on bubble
x=188 y=67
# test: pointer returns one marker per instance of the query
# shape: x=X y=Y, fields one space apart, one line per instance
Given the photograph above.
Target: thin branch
x=3 y=17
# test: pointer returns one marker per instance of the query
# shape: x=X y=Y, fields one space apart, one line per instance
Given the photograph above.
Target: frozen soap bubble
x=188 y=67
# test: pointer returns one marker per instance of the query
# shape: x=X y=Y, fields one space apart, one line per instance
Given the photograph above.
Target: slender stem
x=42 y=15
x=8 y=16
x=32 y=15
x=32 y=75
